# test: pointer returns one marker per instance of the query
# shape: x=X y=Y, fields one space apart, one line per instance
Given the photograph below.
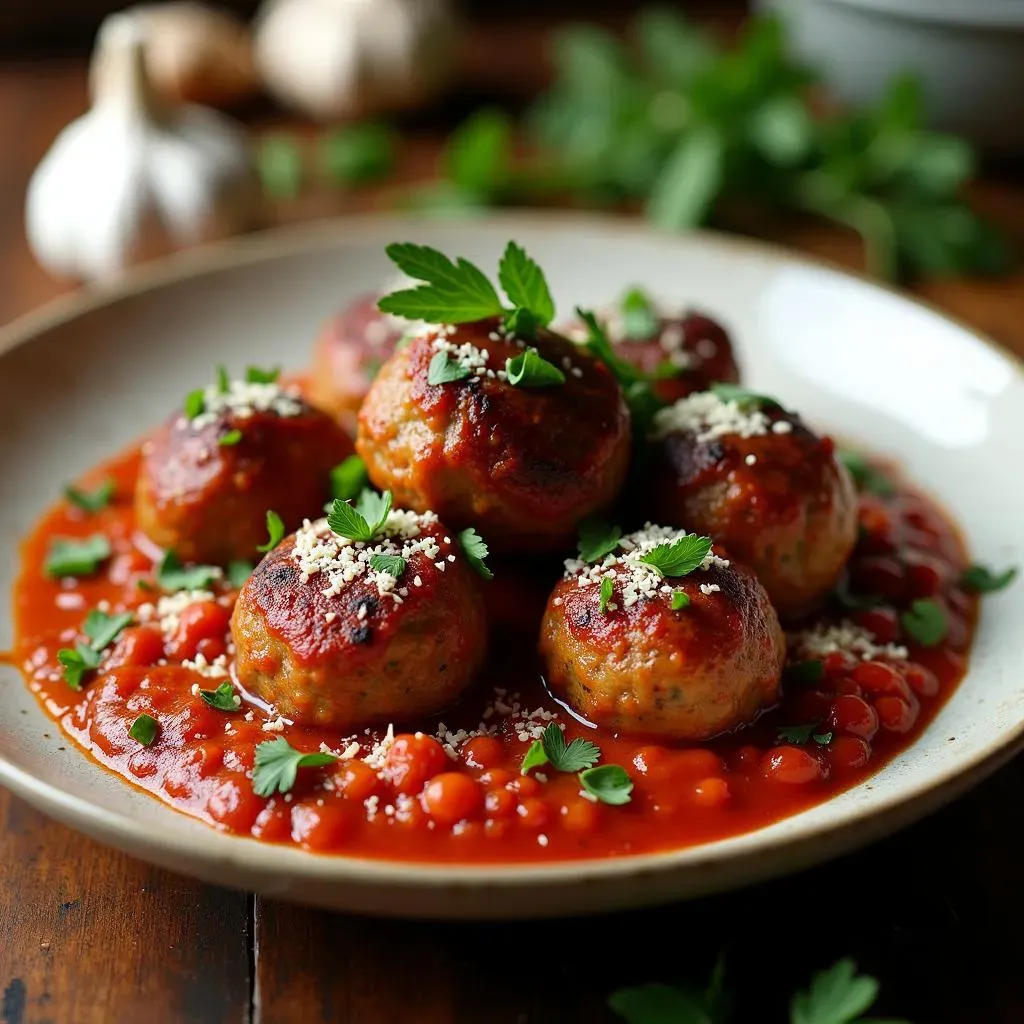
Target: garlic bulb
x=194 y=54
x=134 y=178
x=338 y=59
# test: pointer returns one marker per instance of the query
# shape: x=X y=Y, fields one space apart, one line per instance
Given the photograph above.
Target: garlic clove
x=194 y=53
x=343 y=59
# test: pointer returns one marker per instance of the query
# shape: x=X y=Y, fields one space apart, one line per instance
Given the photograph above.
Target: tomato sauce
x=414 y=800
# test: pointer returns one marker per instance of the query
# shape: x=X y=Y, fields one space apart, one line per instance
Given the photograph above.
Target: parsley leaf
x=568 y=758
x=256 y=375
x=525 y=285
x=443 y=370
x=680 y=557
x=144 y=729
x=77 y=663
x=454 y=293
x=363 y=522
x=277 y=763
x=659 y=1004
x=680 y=600
x=835 y=996
x=805 y=672
x=865 y=476
x=223 y=698
x=521 y=323
x=979 y=579
x=608 y=782
x=531 y=370
x=103 y=629
x=797 y=734
x=349 y=478
x=597 y=539
x=605 y=595
x=926 y=622
x=534 y=758
x=639 y=318
x=230 y=439
x=172 y=576
x=275 y=527
x=474 y=547
x=823 y=739
x=195 y=403
x=238 y=572
x=743 y=397
x=393 y=565
x=91 y=501
x=70 y=557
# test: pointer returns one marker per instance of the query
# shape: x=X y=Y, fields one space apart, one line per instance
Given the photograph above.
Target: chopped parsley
x=144 y=729
x=639 y=317
x=349 y=478
x=393 y=565
x=256 y=375
x=979 y=579
x=743 y=397
x=597 y=539
x=680 y=557
x=606 y=594
x=275 y=528
x=238 y=572
x=459 y=292
x=277 y=764
x=680 y=600
x=230 y=439
x=552 y=749
x=443 y=370
x=172 y=576
x=474 y=547
x=865 y=476
x=363 y=522
x=800 y=734
x=102 y=630
x=70 y=557
x=926 y=622
x=91 y=501
x=195 y=403
x=609 y=783
x=530 y=370
x=805 y=673
x=223 y=698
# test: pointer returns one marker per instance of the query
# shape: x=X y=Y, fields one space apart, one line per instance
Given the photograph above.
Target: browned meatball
x=705 y=667
x=349 y=352
x=524 y=464
x=331 y=641
x=753 y=477
x=206 y=483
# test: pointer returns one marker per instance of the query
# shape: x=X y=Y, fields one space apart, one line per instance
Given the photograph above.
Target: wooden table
x=90 y=936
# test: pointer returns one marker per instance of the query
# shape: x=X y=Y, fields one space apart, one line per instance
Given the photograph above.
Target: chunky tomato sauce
x=412 y=799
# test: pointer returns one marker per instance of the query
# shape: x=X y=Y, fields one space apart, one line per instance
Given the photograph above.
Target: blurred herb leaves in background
x=669 y=121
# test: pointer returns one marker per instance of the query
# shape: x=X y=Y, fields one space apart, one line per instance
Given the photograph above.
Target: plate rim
x=246 y=852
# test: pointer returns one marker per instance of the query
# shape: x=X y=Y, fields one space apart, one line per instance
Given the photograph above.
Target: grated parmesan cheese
x=823 y=640
x=243 y=400
x=216 y=669
x=633 y=578
x=708 y=417
x=166 y=613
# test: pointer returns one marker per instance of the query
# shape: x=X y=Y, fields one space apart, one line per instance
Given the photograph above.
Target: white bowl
x=88 y=375
x=969 y=55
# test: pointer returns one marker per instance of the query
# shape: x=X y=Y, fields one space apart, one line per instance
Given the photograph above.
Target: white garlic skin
x=336 y=60
x=133 y=179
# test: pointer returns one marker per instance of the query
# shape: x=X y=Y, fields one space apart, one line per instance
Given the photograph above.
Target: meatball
x=349 y=352
x=523 y=463
x=684 y=657
x=331 y=639
x=753 y=477
x=207 y=481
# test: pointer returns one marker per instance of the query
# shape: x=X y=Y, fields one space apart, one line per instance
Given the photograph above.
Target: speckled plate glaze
x=85 y=376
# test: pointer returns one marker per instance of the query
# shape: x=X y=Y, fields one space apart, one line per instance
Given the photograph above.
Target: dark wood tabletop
x=91 y=936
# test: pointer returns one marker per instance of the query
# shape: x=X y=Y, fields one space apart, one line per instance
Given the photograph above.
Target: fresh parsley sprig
x=69 y=557
x=223 y=698
x=363 y=522
x=172 y=575
x=91 y=501
x=349 y=478
x=608 y=783
x=275 y=529
x=393 y=565
x=474 y=547
x=277 y=765
x=679 y=558
x=102 y=630
x=530 y=369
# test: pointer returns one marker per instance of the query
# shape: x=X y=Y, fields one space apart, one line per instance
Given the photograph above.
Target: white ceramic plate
x=85 y=377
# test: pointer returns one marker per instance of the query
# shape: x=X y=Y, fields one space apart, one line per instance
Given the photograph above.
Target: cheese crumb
x=243 y=400
x=823 y=640
x=709 y=417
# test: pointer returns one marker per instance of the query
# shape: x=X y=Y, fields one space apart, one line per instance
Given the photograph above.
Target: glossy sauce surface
x=414 y=800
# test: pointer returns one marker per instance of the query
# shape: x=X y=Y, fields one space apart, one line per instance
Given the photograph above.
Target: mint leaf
x=172 y=576
x=275 y=528
x=443 y=370
x=609 y=783
x=277 y=764
x=605 y=595
x=525 y=285
x=597 y=539
x=680 y=557
x=91 y=501
x=474 y=547
x=979 y=579
x=68 y=557
x=530 y=370
x=639 y=317
x=926 y=622
x=349 y=478
x=393 y=565
x=223 y=698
